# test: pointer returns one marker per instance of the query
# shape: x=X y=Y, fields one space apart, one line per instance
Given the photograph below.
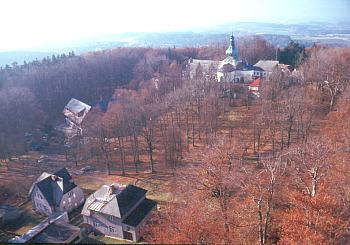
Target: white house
x=75 y=112
x=268 y=66
x=55 y=193
x=203 y=66
x=118 y=211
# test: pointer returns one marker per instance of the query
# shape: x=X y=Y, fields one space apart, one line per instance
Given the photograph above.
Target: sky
x=28 y=24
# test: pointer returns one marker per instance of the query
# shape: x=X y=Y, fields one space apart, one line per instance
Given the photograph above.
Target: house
x=52 y=193
x=55 y=229
x=118 y=211
x=269 y=66
x=75 y=112
x=255 y=86
x=202 y=67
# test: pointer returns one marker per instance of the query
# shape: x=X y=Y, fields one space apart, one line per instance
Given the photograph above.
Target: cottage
x=269 y=66
x=118 y=211
x=75 y=112
x=55 y=229
x=52 y=193
x=202 y=67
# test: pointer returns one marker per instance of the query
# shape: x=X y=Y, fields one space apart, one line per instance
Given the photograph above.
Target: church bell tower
x=231 y=50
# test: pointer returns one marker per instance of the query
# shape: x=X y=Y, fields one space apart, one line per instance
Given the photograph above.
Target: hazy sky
x=31 y=23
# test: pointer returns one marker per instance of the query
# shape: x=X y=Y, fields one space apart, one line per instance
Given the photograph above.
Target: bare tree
x=311 y=162
x=262 y=187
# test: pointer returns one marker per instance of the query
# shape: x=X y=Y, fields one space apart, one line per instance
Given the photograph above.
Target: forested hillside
x=34 y=94
x=227 y=167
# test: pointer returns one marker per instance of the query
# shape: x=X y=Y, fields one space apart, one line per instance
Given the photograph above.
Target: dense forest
x=262 y=170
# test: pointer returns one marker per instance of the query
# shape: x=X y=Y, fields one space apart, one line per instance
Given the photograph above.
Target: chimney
x=58 y=180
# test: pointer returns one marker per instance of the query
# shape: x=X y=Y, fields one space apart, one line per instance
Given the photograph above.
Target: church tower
x=231 y=50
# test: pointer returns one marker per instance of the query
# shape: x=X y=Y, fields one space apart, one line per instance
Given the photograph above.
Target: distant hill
x=331 y=34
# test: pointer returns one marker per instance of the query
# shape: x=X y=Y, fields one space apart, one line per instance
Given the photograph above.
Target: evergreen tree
x=294 y=54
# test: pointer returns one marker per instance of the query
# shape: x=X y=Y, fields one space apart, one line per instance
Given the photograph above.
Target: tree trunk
x=150 y=151
x=121 y=155
x=314 y=177
x=259 y=137
x=187 y=133
x=260 y=216
x=192 y=130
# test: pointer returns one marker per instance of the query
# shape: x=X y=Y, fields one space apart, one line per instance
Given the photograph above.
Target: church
x=232 y=69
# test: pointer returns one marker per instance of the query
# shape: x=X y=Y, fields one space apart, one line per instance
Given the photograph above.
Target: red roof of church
x=255 y=83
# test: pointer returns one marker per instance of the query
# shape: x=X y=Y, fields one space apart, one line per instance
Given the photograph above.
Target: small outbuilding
x=255 y=86
x=55 y=229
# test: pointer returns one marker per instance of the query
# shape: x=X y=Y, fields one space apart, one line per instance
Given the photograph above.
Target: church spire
x=231 y=50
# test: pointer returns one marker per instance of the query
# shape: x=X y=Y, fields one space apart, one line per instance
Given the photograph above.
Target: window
x=112 y=229
x=95 y=224
x=127 y=235
x=110 y=218
x=70 y=193
x=69 y=199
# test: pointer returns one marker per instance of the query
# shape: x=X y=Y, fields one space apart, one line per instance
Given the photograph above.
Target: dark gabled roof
x=68 y=183
x=68 y=186
x=114 y=200
x=129 y=197
x=45 y=186
x=63 y=173
x=139 y=213
x=41 y=177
